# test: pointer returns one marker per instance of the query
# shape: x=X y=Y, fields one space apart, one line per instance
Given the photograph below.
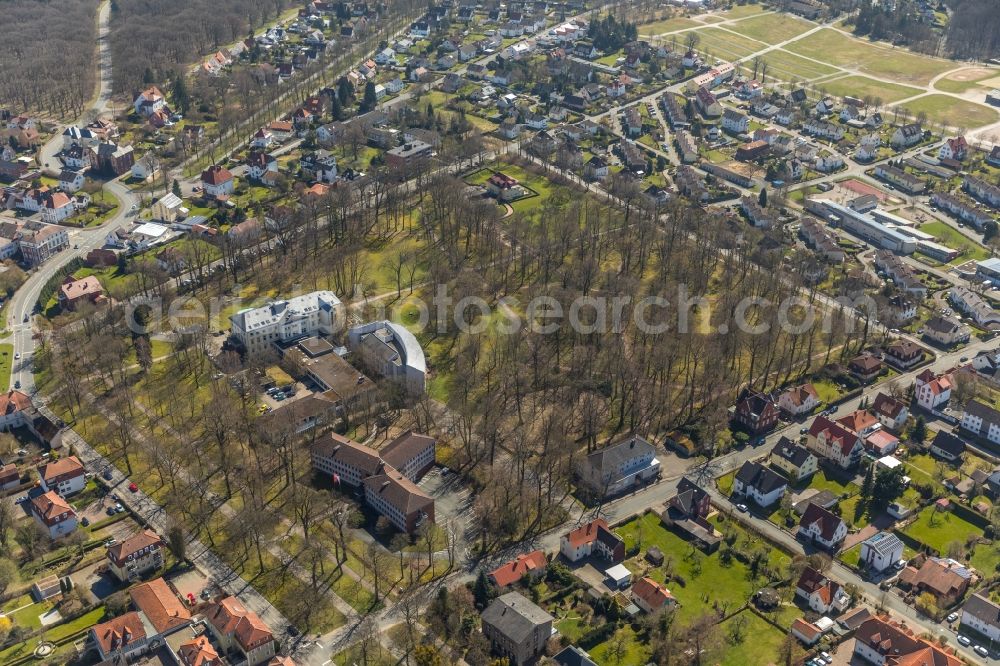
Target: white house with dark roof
x=758 y=483
x=947 y=446
x=620 y=466
x=793 y=459
x=881 y=551
x=822 y=527
x=821 y=594
x=890 y=412
x=982 y=615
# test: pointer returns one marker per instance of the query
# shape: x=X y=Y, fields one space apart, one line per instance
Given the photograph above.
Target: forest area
x=150 y=38
x=47 y=52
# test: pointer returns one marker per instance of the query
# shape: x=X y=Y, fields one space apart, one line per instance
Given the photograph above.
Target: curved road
x=22 y=304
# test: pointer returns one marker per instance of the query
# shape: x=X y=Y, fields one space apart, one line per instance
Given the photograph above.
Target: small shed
x=654 y=556
x=619 y=576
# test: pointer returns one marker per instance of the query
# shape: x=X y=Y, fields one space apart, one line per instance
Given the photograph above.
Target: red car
x=133 y=488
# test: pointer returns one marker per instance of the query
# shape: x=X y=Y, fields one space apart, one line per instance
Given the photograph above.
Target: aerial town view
x=500 y=332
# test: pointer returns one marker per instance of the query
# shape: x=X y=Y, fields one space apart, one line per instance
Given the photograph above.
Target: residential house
x=735 y=122
x=983 y=190
x=963 y=208
x=820 y=593
x=707 y=103
x=261 y=166
x=828 y=163
x=756 y=412
x=946 y=331
x=904 y=354
x=944 y=578
x=618 y=467
x=823 y=130
x=832 y=440
x=217 y=182
x=954 y=149
x=972 y=304
x=932 y=390
x=981 y=420
x=149 y=101
x=71 y=180
x=806 y=632
x=905 y=181
x=136 y=555
x=687 y=511
x=907 y=135
x=880 y=642
x=982 y=615
x=947 y=446
x=123 y=638
x=516 y=628
x=64 y=476
x=890 y=412
x=238 y=629
x=758 y=483
x=880 y=552
x=10 y=477
x=865 y=367
x=594 y=538
x=650 y=596
x=796 y=461
x=53 y=514
x=531 y=564
x=822 y=527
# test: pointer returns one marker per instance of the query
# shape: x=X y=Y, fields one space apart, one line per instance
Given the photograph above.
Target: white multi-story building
x=65 y=476
x=982 y=420
x=315 y=313
x=982 y=615
x=389 y=349
x=620 y=466
x=932 y=390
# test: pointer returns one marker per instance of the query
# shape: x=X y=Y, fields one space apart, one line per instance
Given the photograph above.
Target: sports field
x=862 y=86
x=984 y=78
x=897 y=65
x=772 y=28
x=951 y=111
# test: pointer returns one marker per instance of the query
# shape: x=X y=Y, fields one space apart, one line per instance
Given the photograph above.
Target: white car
x=981 y=651
x=963 y=640
x=952 y=617
x=742 y=507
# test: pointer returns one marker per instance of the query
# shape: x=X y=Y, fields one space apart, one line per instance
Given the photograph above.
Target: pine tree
x=482 y=590
x=370 y=100
x=336 y=110
x=182 y=99
x=868 y=484
x=919 y=432
x=762 y=199
x=176 y=188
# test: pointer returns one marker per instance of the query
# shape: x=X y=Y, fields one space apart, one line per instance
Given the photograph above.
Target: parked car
x=952 y=617
x=85 y=521
x=132 y=488
x=981 y=651
x=742 y=508
x=963 y=640
x=106 y=474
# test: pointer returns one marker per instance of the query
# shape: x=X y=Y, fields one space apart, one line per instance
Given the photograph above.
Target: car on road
x=110 y=542
x=963 y=640
x=22 y=498
x=980 y=650
x=85 y=521
x=132 y=488
x=742 y=508
x=111 y=511
x=952 y=617
x=26 y=318
x=803 y=430
x=963 y=359
x=17 y=355
x=106 y=474
x=119 y=508
x=17 y=384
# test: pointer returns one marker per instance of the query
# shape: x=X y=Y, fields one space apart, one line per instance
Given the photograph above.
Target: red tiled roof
x=160 y=605
x=50 y=506
x=14 y=401
x=122 y=630
x=230 y=616
x=831 y=430
x=64 y=468
x=216 y=175
x=198 y=652
x=120 y=552
x=513 y=571
x=654 y=594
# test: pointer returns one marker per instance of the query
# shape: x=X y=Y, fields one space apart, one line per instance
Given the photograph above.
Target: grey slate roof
x=611 y=457
x=760 y=477
x=790 y=451
x=983 y=609
x=515 y=617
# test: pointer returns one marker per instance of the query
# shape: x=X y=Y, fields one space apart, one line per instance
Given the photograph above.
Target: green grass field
x=772 y=28
x=938 y=529
x=749 y=641
x=6 y=363
x=952 y=111
x=635 y=653
x=948 y=235
x=722 y=43
x=966 y=79
x=862 y=86
x=741 y=11
x=898 y=65
x=668 y=25
x=788 y=66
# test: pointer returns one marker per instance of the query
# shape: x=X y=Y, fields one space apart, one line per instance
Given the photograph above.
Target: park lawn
x=755 y=644
x=862 y=86
x=636 y=653
x=721 y=43
x=772 y=28
x=971 y=78
x=788 y=66
x=938 y=529
x=742 y=11
x=952 y=111
x=708 y=580
x=953 y=238
x=668 y=25
x=897 y=65
x=6 y=363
